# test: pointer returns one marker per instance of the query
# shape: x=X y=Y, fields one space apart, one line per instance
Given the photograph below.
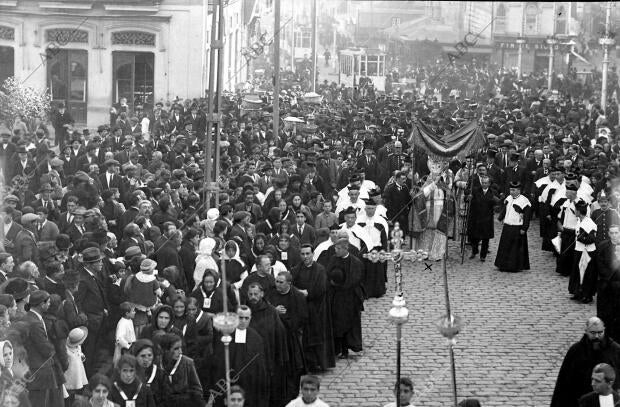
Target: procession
x=234 y=247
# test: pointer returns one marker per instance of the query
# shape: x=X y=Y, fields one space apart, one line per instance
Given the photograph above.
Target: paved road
x=517 y=330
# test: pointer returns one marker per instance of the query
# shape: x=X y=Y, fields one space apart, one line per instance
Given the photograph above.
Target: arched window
x=500 y=19
x=531 y=18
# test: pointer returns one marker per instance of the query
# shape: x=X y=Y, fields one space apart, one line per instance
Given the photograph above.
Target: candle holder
x=398 y=314
x=449 y=327
x=226 y=322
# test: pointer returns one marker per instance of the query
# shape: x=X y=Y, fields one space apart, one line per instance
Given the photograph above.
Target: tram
x=359 y=63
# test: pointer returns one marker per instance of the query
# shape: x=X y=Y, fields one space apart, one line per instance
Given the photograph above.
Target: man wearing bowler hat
x=45 y=389
x=62 y=121
x=21 y=164
x=91 y=299
x=26 y=241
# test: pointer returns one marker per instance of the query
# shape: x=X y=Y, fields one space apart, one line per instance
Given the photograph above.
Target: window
x=531 y=18
x=381 y=69
x=7 y=63
x=372 y=65
x=560 y=21
x=363 y=65
x=67 y=78
x=134 y=77
x=346 y=64
x=303 y=38
x=500 y=19
x=395 y=21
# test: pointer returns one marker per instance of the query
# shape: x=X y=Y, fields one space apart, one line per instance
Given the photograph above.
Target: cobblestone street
x=517 y=328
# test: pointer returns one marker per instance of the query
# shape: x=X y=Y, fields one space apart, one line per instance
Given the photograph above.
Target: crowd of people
x=113 y=258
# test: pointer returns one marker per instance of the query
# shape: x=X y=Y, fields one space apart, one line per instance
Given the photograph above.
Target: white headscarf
x=212 y=215
x=236 y=256
x=204 y=260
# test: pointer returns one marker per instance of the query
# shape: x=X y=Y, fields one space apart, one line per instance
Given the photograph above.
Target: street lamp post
x=399 y=314
x=520 y=41
x=226 y=322
x=551 y=42
x=607 y=41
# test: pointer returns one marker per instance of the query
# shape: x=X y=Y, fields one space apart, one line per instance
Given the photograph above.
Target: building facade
x=89 y=53
x=533 y=23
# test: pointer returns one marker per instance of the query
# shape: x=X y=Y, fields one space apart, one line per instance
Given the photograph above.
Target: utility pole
x=218 y=96
x=203 y=51
x=216 y=55
x=314 y=45
x=293 y=36
x=521 y=42
x=551 y=41
x=606 y=42
x=276 y=70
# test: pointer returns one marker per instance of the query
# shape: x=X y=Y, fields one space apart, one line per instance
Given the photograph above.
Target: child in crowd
x=406 y=392
x=128 y=390
x=125 y=334
x=310 y=386
x=75 y=375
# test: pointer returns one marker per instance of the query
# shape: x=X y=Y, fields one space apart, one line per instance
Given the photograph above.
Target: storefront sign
x=510 y=43
x=526 y=46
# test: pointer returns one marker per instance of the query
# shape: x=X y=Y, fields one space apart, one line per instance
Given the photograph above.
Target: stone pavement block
x=502 y=356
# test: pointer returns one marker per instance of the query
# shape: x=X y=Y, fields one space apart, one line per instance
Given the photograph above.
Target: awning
x=470 y=50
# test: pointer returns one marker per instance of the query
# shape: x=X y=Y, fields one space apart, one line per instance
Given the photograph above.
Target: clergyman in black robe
x=574 y=379
x=608 y=285
x=346 y=297
x=375 y=274
x=512 y=251
x=248 y=367
x=266 y=321
x=291 y=306
x=318 y=339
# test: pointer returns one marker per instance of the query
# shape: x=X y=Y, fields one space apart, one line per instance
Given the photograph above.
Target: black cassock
x=512 y=251
x=548 y=220
x=346 y=298
x=375 y=274
x=294 y=320
x=318 y=338
x=248 y=370
x=575 y=376
x=266 y=321
x=328 y=254
x=604 y=219
x=608 y=288
x=587 y=287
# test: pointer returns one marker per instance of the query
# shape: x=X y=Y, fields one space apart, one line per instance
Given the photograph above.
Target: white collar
x=240 y=335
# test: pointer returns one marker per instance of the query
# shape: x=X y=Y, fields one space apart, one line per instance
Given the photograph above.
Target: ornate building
x=90 y=53
x=529 y=24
